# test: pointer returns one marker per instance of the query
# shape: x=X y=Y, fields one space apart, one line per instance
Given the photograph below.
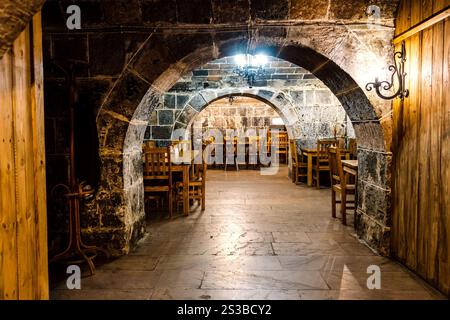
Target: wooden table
x=310 y=154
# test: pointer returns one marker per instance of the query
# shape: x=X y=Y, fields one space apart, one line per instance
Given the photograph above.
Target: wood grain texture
x=8 y=243
x=37 y=100
x=421 y=174
x=23 y=237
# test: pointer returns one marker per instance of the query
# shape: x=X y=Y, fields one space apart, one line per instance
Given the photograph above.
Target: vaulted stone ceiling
x=137 y=12
x=14 y=14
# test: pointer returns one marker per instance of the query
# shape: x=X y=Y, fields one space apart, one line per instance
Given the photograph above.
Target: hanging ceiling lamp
x=250 y=67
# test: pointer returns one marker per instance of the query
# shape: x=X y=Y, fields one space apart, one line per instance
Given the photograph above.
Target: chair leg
x=333 y=203
x=170 y=204
x=318 y=179
x=344 y=208
x=203 y=198
x=296 y=175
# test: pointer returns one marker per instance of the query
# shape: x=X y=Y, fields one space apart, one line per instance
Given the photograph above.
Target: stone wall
x=241 y=115
x=314 y=113
x=137 y=51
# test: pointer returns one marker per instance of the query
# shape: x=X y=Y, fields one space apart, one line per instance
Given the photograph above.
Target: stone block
x=194 y=11
x=375 y=202
x=111 y=173
x=169 y=101
x=198 y=102
x=370 y=135
x=181 y=101
x=158 y=11
x=374 y=234
x=323 y=97
x=111 y=63
x=270 y=9
x=230 y=11
x=161 y=132
x=122 y=12
x=148 y=133
x=165 y=117
x=182 y=45
x=116 y=241
x=308 y=10
x=356 y=10
x=375 y=167
x=154 y=58
x=129 y=92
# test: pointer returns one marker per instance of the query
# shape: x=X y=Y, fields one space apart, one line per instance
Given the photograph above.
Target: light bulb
x=240 y=59
x=260 y=60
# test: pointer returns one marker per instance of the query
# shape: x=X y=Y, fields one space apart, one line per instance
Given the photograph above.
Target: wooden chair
x=339 y=185
x=322 y=164
x=148 y=145
x=197 y=186
x=353 y=148
x=158 y=174
x=282 y=146
x=230 y=153
x=252 y=152
x=299 y=166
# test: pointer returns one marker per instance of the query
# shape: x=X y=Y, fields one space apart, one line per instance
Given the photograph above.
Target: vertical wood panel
x=8 y=244
x=23 y=141
x=426 y=9
x=444 y=218
x=435 y=152
x=37 y=99
x=415 y=75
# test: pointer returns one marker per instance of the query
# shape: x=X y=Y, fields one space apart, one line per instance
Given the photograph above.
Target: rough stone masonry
x=138 y=50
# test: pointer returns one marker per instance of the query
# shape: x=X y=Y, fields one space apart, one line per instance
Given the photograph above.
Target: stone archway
x=275 y=99
x=163 y=59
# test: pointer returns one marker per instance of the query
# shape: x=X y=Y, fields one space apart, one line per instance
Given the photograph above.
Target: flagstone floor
x=261 y=237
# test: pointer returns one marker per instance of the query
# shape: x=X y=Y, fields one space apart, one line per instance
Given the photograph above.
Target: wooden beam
x=423 y=25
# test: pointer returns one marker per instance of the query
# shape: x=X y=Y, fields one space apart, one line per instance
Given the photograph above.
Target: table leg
x=310 y=172
x=186 y=190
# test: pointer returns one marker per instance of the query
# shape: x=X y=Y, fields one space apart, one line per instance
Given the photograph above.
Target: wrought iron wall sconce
x=398 y=71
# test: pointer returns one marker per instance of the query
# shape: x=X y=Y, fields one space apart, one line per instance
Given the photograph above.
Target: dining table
x=310 y=155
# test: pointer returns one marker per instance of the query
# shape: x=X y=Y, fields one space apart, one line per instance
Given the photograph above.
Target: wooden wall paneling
x=439 y=5
x=415 y=75
x=404 y=17
x=435 y=152
x=426 y=9
x=424 y=152
x=23 y=236
x=37 y=95
x=444 y=218
x=8 y=240
x=399 y=143
x=421 y=194
x=406 y=161
x=415 y=12
x=23 y=140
